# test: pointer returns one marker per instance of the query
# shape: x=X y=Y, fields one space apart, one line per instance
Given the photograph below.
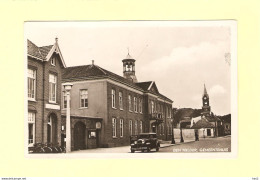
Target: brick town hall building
x=105 y=108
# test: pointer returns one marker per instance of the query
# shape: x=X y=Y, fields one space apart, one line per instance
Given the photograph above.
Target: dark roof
x=33 y=50
x=203 y=123
x=144 y=85
x=45 y=50
x=212 y=118
x=93 y=71
x=38 y=52
x=185 y=112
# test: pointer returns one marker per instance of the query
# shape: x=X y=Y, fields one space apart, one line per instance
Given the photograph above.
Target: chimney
x=56 y=40
x=92 y=62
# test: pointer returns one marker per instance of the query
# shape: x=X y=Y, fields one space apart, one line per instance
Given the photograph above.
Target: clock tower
x=205 y=103
x=129 y=68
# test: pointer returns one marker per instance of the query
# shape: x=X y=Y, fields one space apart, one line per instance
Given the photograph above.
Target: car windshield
x=141 y=136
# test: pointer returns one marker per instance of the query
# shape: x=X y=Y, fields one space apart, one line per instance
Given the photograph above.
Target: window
x=162 y=129
x=136 y=130
x=64 y=100
x=130 y=127
x=135 y=104
x=31 y=84
x=141 y=126
x=52 y=87
x=162 y=110
x=84 y=98
x=53 y=61
x=121 y=127
x=113 y=98
x=31 y=128
x=92 y=134
x=140 y=105
x=114 y=127
x=130 y=102
x=120 y=100
x=169 y=128
x=159 y=129
x=152 y=106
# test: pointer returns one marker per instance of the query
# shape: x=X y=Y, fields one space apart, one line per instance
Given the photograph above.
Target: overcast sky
x=179 y=56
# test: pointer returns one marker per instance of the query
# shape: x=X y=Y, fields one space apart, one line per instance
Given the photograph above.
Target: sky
x=179 y=56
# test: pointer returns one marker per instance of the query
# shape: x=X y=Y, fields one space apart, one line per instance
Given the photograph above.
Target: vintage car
x=144 y=141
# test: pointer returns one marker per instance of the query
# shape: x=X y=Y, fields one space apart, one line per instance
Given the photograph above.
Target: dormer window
x=53 y=61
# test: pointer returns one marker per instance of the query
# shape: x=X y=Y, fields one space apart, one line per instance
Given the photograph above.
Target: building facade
x=107 y=108
x=44 y=93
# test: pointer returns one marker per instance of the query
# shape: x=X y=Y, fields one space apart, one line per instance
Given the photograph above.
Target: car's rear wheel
x=157 y=148
x=132 y=151
x=142 y=150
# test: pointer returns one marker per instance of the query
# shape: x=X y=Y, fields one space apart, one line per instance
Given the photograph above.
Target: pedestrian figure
x=196 y=135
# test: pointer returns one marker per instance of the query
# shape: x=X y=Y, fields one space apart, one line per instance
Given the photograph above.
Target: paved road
x=220 y=144
x=204 y=145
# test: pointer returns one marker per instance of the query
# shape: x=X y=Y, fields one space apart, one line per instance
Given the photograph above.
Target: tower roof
x=129 y=56
x=205 y=91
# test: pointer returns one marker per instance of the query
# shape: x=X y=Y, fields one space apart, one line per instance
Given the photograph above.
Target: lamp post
x=173 y=141
x=182 y=140
x=67 y=88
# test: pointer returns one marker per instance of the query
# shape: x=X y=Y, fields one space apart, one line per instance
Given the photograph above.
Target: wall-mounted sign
x=98 y=125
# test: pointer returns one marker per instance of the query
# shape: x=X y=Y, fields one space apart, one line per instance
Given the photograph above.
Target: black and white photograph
x=130 y=89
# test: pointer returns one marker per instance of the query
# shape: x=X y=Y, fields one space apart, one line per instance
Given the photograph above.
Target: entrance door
x=52 y=129
x=79 y=136
x=208 y=132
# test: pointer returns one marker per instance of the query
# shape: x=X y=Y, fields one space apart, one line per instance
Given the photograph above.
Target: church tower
x=129 y=68
x=205 y=103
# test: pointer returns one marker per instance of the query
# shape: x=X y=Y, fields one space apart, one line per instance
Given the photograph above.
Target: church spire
x=205 y=91
x=205 y=102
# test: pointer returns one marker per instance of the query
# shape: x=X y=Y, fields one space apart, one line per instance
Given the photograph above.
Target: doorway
x=52 y=129
x=79 y=136
x=208 y=132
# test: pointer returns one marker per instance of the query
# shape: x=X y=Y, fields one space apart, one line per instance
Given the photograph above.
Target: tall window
x=136 y=130
x=140 y=105
x=130 y=127
x=113 y=98
x=64 y=100
x=141 y=126
x=120 y=100
x=31 y=84
x=135 y=104
x=121 y=127
x=130 y=102
x=162 y=110
x=84 y=98
x=152 y=103
x=169 y=129
x=114 y=127
x=52 y=87
x=31 y=128
x=162 y=129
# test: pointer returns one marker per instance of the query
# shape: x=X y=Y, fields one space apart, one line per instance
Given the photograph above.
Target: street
x=220 y=144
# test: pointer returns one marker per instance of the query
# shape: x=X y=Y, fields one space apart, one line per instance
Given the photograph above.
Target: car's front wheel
x=132 y=151
x=148 y=149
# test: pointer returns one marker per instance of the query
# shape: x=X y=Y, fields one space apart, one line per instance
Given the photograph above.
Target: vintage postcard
x=131 y=89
